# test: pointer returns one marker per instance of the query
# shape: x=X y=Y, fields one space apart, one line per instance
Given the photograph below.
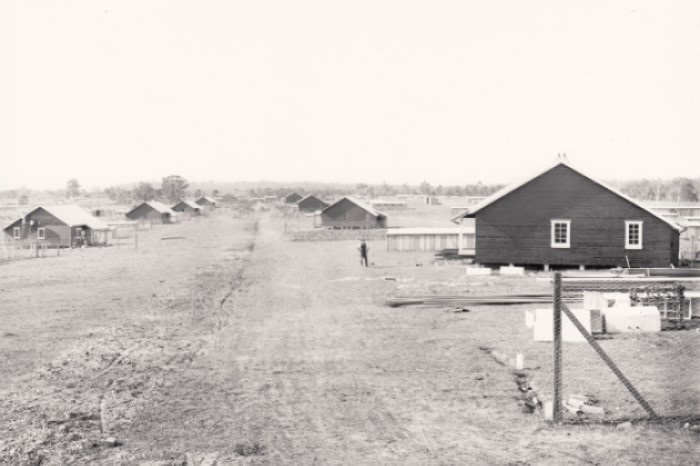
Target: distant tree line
x=673 y=190
x=174 y=188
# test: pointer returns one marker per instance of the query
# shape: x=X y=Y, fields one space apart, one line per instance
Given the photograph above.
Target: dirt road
x=306 y=366
x=313 y=369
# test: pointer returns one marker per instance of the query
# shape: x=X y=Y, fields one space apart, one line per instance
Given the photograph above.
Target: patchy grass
x=214 y=348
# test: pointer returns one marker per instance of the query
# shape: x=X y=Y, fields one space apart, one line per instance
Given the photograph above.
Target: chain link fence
x=625 y=350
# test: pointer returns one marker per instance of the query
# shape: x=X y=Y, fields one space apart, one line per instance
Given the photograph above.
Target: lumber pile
x=323 y=234
x=447 y=254
x=446 y=301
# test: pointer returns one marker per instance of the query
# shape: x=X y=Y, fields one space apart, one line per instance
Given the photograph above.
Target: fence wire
x=642 y=360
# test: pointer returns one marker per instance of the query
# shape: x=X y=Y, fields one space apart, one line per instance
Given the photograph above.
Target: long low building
x=384 y=204
x=432 y=239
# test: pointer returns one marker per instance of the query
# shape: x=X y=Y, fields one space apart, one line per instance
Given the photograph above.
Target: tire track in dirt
x=313 y=370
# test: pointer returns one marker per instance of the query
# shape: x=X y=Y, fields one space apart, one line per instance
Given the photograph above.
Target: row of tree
x=674 y=190
x=174 y=188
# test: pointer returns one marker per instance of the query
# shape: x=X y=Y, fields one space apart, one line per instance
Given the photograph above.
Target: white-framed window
x=41 y=233
x=561 y=233
x=16 y=232
x=633 y=234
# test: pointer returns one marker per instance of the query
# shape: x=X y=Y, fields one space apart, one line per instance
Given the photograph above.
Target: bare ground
x=282 y=352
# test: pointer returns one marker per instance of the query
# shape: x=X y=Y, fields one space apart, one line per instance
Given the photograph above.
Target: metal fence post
x=556 y=405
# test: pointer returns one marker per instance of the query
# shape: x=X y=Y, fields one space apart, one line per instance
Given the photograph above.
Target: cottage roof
x=310 y=196
x=191 y=204
x=359 y=204
x=207 y=198
x=503 y=192
x=158 y=206
x=72 y=215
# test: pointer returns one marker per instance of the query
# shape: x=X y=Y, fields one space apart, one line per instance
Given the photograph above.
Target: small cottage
x=58 y=226
x=311 y=204
x=292 y=198
x=188 y=208
x=206 y=201
x=351 y=213
x=153 y=212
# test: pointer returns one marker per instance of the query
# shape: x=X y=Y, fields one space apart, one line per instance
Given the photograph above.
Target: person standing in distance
x=363 y=248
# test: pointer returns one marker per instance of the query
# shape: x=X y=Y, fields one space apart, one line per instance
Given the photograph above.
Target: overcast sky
x=355 y=91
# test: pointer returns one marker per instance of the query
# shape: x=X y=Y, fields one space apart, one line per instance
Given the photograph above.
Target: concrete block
x=588 y=409
x=632 y=319
x=597 y=300
x=618 y=299
x=597 y=321
x=594 y=300
x=511 y=271
x=478 y=271
x=548 y=411
x=543 y=328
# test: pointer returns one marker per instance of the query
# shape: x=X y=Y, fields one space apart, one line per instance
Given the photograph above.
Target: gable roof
x=191 y=204
x=310 y=196
x=503 y=192
x=359 y=204
x=71 y=215
x=158 y=206
x=207 y=198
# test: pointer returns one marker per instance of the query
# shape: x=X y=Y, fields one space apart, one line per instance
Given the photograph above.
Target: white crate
x=544 y=325
x=632 y=319
x=511 y=271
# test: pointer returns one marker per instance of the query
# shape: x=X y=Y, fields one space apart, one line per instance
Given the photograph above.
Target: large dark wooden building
x=561 y=217
x=152 y=211
x=58 y=226
x=350 y=213
x=311 y=204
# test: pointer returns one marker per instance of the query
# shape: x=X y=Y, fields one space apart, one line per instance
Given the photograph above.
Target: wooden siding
x=292 y=198
x=346 y=214
x=56 y=233
x=144 y=212
x=186 y=209
x=516 y=228
x=311 y=204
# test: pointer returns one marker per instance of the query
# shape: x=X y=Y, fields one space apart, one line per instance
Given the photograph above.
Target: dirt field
x=236 y=346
